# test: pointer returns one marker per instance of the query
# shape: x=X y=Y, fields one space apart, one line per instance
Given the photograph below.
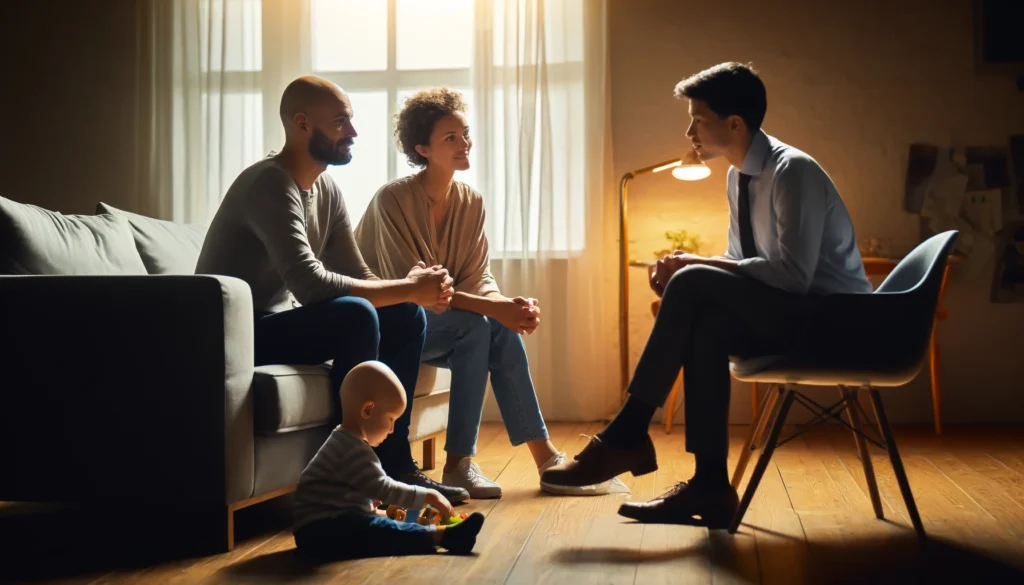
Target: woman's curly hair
x=421 y=112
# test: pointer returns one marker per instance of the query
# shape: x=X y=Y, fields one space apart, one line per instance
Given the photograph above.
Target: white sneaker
x=467 y=475
x=612 y=486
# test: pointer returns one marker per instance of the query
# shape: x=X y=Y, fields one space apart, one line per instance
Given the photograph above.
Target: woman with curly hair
x=432 y=218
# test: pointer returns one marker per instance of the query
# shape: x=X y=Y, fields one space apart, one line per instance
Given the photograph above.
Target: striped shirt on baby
x=345 y=476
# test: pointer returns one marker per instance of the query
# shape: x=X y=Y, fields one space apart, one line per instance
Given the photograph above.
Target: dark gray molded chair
x=855 y=342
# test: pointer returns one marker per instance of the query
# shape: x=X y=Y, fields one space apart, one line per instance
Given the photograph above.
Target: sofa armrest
x=126 y=387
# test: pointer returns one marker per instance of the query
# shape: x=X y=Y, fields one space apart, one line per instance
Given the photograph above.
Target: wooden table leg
x=934 y=356
x=933 y=359
x=753 y=402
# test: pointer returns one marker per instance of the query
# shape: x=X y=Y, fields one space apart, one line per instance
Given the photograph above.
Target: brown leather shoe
x=599 y=462
x=686 y=504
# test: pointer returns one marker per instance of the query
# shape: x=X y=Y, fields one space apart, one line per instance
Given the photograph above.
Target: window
x=380 y=52
x=380 y=62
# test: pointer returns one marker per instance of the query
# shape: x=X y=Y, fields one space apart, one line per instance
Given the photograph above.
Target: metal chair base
x=771 y=417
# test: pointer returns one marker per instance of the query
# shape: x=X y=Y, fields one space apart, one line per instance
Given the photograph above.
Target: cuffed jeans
x=350 y=331
x=357 y=536
x=708 y=314
x=473 y=346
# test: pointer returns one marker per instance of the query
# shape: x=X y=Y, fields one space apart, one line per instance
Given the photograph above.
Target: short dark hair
x=421 y=112
x=728 y=89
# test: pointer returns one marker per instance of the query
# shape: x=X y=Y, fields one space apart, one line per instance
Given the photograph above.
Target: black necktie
x=747 y=247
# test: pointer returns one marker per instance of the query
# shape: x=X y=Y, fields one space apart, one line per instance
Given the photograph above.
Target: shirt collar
x=756 y=154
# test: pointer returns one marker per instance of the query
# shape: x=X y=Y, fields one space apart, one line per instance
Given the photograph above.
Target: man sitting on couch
x=283 y=228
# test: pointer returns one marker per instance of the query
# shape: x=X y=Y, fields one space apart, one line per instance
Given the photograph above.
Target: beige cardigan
x=398 y=230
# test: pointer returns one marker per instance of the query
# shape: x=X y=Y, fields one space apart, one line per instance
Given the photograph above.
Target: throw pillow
x=166 y=247
x=34 y=240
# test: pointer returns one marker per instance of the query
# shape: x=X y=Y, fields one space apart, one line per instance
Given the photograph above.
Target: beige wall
x=852 y=84
x=67 y=107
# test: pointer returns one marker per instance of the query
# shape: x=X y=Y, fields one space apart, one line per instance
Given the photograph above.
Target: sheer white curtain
x=535 y=75
x=540 y=82
x=208 y=72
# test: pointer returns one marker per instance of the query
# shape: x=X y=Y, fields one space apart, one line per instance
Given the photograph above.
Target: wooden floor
x=811 y=522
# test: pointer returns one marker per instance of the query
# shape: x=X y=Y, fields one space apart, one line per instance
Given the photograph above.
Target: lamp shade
x=691 y=168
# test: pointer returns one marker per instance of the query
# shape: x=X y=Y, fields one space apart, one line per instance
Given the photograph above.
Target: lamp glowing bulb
x=691 y=168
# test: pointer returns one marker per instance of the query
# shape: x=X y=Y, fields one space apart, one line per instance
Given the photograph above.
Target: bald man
x=283 y=228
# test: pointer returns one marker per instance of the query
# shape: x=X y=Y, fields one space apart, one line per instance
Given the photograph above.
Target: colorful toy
x=427 y=517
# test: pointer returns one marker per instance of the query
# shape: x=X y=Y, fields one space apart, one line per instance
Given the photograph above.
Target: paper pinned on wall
x=977 y=247
x=945 y=196
x=984 y=210
x=946 y=185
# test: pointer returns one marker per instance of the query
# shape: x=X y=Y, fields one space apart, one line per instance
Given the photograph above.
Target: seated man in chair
x=790 y=241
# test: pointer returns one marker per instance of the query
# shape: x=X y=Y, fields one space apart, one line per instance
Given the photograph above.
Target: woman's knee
x=470 y=326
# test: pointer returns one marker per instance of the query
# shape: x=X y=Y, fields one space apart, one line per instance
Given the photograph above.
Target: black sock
x=629 y=427
x=711 y=472
x=461 y=538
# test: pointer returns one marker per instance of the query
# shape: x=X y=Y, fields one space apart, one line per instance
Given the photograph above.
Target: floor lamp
x=687 y=168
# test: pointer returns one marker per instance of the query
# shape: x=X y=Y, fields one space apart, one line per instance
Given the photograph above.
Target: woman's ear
x=366 y=410
x=423 y=151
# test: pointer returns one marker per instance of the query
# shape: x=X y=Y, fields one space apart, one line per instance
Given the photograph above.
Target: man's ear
x=736 y=123
x=301 y=121
x=366 y=410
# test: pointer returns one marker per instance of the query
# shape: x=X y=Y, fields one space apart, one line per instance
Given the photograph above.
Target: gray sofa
x=128 y=379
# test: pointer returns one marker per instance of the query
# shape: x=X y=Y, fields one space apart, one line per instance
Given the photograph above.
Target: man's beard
x=323 y=150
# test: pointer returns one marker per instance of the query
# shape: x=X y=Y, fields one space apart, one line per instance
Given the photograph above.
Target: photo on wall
x=1008 y=277
x=978 y=191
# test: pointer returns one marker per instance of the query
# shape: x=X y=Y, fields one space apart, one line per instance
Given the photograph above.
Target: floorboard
x=811 y=521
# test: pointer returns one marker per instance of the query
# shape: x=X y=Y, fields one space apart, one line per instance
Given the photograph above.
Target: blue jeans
x=471 y=346
x=356 y=535
x=350 y=331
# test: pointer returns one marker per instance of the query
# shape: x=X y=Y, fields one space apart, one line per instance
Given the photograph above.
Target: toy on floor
x=429 y=516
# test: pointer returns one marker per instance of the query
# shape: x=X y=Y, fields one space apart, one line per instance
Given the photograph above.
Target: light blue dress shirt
x=803 y=233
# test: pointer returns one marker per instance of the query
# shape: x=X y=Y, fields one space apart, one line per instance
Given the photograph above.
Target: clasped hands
x=660 y=273
x=432 y=289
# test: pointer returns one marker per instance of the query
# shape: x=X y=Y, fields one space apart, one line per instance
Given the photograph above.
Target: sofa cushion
x=291 y=398
x=431 y=379
x=34 y=240
x=166 y=247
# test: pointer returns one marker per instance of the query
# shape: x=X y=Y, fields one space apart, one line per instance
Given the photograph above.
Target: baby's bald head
x=372 y=398
x=317 y=115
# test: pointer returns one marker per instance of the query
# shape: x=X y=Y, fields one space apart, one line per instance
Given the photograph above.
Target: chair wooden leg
x=786 y=396
x=429 y=461
x=670 y=406
x=757 y=428
x=850 y=396
x=897 y=463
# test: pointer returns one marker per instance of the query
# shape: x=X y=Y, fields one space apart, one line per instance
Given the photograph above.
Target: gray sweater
x=279 y=238
x=345 y=476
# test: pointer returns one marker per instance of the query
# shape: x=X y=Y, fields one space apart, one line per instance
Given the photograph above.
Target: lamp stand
x=624 y=267
x=624 y=286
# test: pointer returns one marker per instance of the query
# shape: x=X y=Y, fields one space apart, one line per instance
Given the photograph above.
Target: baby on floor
x=336 y=515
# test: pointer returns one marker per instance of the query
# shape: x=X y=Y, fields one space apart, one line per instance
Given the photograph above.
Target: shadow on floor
x=895 y=560
x=284 y=566
x=43 y=541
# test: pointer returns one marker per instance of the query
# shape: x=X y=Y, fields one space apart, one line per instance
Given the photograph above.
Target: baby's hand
x=440 y=503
